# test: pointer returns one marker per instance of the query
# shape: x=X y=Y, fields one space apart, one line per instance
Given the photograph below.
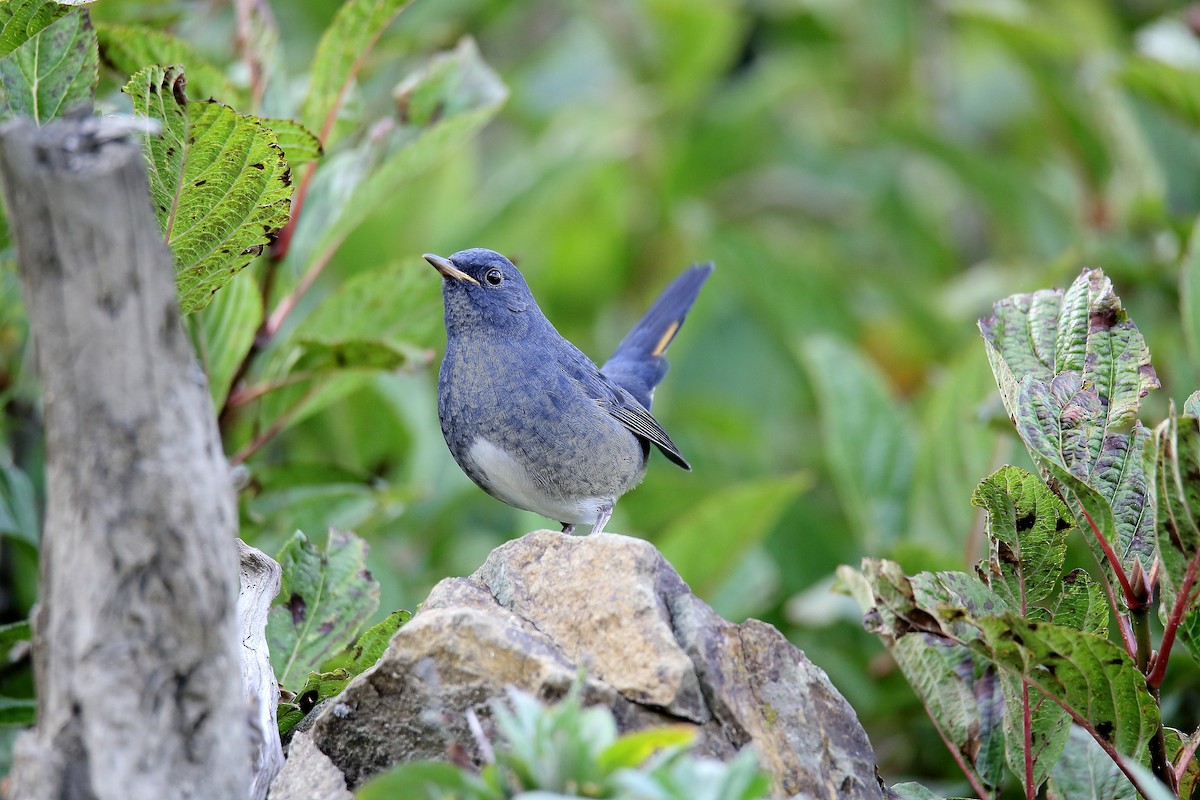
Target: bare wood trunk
x=261 y=577
x=136 y=644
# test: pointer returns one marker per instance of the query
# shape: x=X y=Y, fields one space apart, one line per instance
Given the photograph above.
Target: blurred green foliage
x=868 y=175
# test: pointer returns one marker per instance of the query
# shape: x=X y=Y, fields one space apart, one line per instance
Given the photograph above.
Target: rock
x=309 y=774
x=547 y=604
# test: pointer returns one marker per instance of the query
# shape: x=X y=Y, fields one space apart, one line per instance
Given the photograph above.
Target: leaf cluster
x=1014 y=664
x=565 y=750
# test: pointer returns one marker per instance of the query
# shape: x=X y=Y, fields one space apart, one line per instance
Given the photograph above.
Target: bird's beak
x=447 y=268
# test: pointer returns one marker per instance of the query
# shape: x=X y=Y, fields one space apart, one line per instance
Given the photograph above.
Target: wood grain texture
x=136 y=650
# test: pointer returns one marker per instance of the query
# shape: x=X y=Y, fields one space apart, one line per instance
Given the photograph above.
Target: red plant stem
x=1027 y=722
x=1078 y=719
x=280 y=314
x=1182 y=599
x=962 y=764
x=1131 y=600
x=272 y=430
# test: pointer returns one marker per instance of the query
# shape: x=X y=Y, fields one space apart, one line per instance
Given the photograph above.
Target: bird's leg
x=568 y=527
x=602 y=517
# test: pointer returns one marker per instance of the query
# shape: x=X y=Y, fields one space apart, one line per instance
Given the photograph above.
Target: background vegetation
x=869 y=177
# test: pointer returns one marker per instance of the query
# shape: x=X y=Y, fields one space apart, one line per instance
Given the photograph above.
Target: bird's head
x=482 y=288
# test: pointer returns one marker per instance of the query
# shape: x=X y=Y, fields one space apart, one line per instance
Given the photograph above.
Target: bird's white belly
x=508 y=480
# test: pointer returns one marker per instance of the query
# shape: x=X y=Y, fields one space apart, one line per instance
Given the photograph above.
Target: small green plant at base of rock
x=1015 y=664
x=566 y=750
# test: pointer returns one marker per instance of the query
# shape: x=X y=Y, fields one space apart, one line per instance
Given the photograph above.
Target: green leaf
x=129 y=49
x=913 y=791
x=51 y=70
x=1178 y=529
x=316 y=357
x=18 y=503
x=298 y=143
x=17 y=711
x=1085 y=770
x=325 y=596
x=707 y=542
x=218 y=180
x=227 y=329
x=1106 y=473
x=1086 y=673
x=439 y=109
x=632 y=749
x=426 y=779
x=385 y=318
x=21 y=20
x=340 y=55
x=1027 y=528
x=961 y=696
x=867 y=439
x=1092 y=335
x=15 y=632
x=1170 y=88
x=1189 y=293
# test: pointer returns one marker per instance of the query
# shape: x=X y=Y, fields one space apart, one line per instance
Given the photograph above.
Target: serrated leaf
x=1082 y=605
x=867 y=439
x=371 y=645
x=325 y=596
x=705 y=543
x=1027 y=528
x=52 y=70
x=1022 y=335
x=1092 y=334
x=439 y=109
x=228 y=326
x=1086 y=673
x=129 y=49
x=1081 y=673
x=21 y=20
x=340 y=54
x=218 y=180
x=299 y=144
x=962 y=697
x=1105 y=474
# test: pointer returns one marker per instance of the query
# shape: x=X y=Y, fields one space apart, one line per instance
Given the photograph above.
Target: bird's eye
x=494 y=277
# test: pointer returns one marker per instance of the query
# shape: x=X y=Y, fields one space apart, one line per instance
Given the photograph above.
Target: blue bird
x=528 y=416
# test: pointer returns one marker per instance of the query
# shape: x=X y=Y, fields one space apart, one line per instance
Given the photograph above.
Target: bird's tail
x=637 y=365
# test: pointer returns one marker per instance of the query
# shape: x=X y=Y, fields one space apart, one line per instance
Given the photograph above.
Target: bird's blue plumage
x=527 y=415
x=638 y=364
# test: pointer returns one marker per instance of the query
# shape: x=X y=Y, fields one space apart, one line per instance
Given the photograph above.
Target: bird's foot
x=568 y=527
x=602 y=517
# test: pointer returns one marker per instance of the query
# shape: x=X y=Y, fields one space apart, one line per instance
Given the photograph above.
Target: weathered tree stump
x=136 y=648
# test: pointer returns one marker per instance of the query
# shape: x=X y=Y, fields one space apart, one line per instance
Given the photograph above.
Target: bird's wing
x=623 y=407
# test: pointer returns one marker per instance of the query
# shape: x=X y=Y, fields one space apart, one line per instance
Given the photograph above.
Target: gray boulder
x=545 y=605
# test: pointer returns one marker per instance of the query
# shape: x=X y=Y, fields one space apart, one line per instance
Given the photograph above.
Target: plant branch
x=1183 y=599
x=1027 y=727
x=1131 y=598
x=272 y=430
x=969 y=773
